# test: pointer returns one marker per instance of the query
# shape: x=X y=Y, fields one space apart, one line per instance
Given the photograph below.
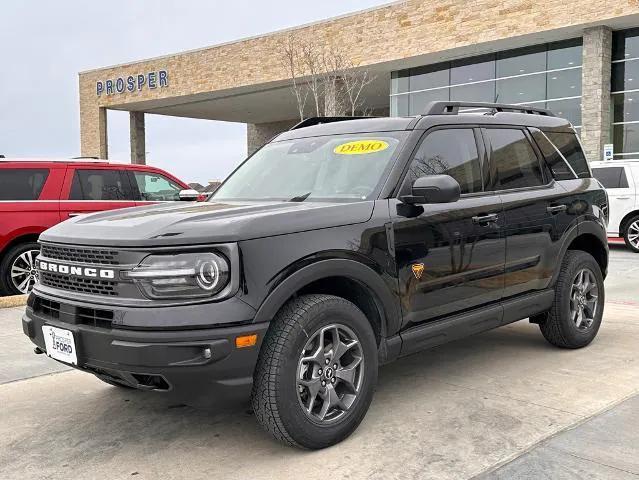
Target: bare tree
x=324 y=74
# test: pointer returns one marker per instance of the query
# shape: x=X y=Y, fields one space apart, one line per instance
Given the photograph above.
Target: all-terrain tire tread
x=264 y=397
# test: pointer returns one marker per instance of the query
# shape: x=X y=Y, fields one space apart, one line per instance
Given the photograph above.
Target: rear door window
x=22 y=183
x=100 y=185
x=514 y=159
x=611 y=177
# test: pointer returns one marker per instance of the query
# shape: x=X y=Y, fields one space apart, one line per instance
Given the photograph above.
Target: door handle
x=622 y=198
x=490 y=218
x=556 y=208
x=71 y=215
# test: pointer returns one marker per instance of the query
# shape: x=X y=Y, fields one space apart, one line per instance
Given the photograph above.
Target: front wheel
x=316 y=372
x=18 y=274
x=575 y=317
x=631 y=234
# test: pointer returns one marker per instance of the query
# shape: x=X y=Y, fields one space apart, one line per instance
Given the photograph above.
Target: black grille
x=47 y=308
x=94 y=317
x=77 y=284
x=93 y=256
x=74 y=315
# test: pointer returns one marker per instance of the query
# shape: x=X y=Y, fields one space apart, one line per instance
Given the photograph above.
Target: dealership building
x=578 y=58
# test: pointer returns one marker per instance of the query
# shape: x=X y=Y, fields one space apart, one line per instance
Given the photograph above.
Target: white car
x=621 y=180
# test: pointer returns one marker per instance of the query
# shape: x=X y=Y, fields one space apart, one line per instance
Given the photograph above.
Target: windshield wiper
x=299 y=198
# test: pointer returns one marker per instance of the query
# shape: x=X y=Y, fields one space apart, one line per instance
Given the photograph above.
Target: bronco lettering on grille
x=76 y=271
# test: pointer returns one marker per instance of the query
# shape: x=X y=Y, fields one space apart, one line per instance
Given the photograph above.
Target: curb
x=13 y=301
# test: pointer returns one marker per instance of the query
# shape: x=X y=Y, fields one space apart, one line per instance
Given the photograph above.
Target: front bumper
x=174 y=361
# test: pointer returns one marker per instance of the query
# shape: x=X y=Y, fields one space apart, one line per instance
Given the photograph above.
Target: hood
x=207 y=222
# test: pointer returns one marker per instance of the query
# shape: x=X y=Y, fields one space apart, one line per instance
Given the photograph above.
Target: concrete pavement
x=503 y=404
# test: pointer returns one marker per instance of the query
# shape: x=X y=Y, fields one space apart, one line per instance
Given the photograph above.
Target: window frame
x=402 y=185
x=547 y=178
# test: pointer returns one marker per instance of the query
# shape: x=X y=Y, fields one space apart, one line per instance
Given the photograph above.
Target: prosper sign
x=131 y=83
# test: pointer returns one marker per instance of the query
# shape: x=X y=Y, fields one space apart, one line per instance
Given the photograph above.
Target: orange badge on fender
x=418 y=269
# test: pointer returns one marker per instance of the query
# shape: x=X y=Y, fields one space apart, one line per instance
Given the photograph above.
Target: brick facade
x=385 y=35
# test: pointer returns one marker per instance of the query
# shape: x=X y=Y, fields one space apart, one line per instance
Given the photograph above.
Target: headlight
x=185 y=275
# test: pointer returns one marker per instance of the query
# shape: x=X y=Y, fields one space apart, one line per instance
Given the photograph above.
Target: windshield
x=329 y=168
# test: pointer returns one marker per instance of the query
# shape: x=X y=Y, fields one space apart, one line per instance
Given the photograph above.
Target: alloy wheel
x=583 y=299
x=23 y=272
x=633 y=234
x=330 y=373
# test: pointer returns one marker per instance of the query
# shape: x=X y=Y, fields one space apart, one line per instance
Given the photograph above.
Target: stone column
x=138 y=141
x=596 y=101
x=257 y=134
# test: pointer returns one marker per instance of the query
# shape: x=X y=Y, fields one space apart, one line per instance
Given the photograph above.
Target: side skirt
x=421 y=337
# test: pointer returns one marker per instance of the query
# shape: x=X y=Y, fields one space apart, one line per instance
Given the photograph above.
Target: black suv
x=340 y=245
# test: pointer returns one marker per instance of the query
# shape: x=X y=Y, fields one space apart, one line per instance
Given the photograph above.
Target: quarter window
x=451 y=152
x=611 y=177
x=100 y=185
x=155 y=187
x=551 y=144
x=514 y=158
x=22 y=184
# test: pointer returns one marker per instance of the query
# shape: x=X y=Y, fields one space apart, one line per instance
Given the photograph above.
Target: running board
x=435 y=333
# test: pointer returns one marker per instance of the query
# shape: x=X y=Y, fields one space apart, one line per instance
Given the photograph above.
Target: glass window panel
x=570 y=148
x=565 y=54
x=625 y=107
x=530 y=88
x=626 y=138
x=521 y=61
x=452 y=152
x=559 y=168
x=473 y=70
x=565 y=83
x=625 y=76
x=399 y=105
x=568 y=109
x=611 y=177
x=478 y=92
x=516 y=161
x=100 y=185
x=156 y=188
x=22 y=184
x=429 y=76
x=399 y=81
x=625 y=44
x=419 y=100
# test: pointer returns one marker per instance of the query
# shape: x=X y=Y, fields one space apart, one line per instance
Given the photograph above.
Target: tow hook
x=38 y=351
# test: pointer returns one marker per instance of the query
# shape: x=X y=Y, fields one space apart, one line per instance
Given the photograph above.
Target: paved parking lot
x=503 y=404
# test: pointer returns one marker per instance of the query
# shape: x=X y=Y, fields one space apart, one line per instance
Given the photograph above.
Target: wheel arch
x=625 y=220
x=345 y=278
x=589 y=237
x=22 y=238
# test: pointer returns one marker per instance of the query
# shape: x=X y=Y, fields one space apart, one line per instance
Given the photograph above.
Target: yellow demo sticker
x=361 y=147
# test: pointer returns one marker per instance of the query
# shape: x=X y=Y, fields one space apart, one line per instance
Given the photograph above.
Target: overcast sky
x=44 y=44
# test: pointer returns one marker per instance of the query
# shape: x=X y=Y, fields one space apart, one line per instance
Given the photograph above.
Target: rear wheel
x=575 y=317
x=631 y=234
x=316 y=372
x=18 y=274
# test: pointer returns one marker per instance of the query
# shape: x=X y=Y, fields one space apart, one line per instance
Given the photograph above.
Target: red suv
x=37 y=194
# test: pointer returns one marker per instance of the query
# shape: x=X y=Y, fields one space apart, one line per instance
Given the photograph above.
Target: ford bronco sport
x=338 y=246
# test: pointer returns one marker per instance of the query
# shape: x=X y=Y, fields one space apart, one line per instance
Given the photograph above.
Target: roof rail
x=309 y=122
x=452 y=108
x=87 y=157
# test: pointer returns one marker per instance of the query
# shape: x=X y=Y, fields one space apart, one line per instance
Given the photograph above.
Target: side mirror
x=189 y=195
x=433 y=189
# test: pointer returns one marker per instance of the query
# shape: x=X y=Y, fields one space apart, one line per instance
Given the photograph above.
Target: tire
x=563 y=327
x=631 y=234
x=281 y=404
x=9 y=285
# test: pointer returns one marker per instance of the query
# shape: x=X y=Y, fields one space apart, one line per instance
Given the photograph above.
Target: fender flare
x=582 y=228
x=387 y=304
